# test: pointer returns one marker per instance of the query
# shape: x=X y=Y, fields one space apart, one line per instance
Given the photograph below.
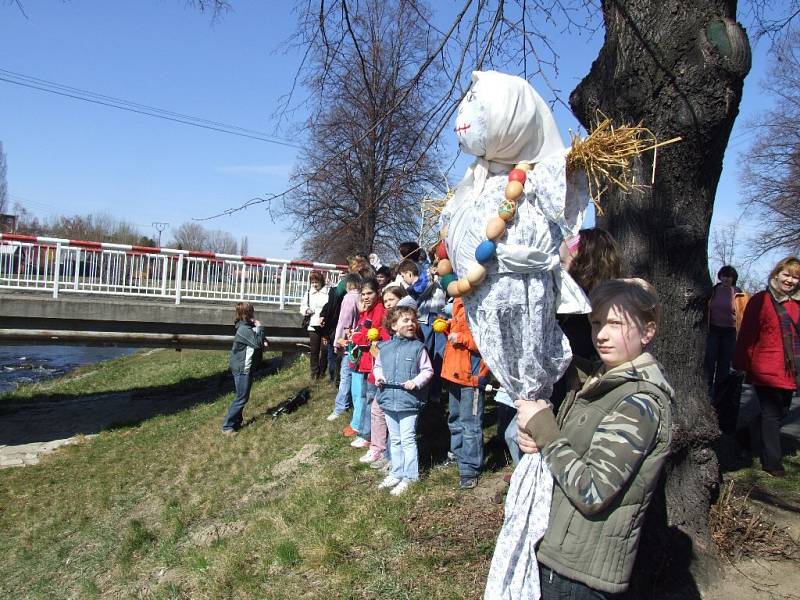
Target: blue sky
x=67 y=156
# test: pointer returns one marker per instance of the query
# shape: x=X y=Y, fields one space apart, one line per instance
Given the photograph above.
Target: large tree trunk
x=678 y=67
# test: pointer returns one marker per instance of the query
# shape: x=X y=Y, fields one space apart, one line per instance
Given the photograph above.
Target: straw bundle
x=606 y=154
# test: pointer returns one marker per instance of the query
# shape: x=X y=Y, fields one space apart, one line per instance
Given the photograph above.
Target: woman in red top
x=369 y=318
x=768 y=350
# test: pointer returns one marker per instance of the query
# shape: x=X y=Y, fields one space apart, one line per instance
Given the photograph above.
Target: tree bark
x=678 y=68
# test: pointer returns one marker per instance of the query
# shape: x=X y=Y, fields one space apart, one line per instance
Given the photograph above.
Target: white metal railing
x=65 y=266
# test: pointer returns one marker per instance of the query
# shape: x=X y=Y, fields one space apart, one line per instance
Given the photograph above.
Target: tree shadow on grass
x=47 y=417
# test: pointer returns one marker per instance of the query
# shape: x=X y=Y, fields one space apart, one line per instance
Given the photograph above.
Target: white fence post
x=164 y=273
x=244 y=278
x=57 y=270
x=284 y=275
x=178 y=279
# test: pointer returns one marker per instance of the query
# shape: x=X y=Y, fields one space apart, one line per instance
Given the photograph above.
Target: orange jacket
x=462 y=362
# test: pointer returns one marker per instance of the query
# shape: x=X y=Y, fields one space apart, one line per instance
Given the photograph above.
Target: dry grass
x=739 y=531
x=606 y=155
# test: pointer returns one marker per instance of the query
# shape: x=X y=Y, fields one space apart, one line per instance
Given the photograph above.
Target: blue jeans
x=343 y=396
x=242 y=383
x=357 y=392
x=511 y=441
x=370 y=395
x=466 y=427
x=403 y=444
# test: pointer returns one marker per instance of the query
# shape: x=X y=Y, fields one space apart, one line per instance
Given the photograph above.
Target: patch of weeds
x=89 y=589
x=135 y=541
x=287 y=553
x=198 y=562
x=171 y=591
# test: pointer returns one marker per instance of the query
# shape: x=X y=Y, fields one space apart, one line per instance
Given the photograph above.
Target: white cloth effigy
x=512 y=313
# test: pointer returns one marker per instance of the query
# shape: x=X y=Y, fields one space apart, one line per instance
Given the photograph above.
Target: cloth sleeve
x=619 y=445
x=248 y=337
x=304 y=303
x=425 y=370
x=377 y=368
x=748 y=333
x=348 y=315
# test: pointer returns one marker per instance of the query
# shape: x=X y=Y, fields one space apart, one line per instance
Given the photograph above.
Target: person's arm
x=620 y=443
x=304 y=303
x=254 y=339
x=748 y=334
x=347 y=315
x=377 y=371
x=425 y=370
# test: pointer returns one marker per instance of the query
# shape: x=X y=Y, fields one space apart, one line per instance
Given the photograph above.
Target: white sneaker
x=379 y=463
x=332 y=417
x=359 y=442
x=389 y=482
x=370 y=457
x=400 y=487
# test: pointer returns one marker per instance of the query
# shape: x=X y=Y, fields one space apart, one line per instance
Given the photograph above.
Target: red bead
x=441 y=250
x=517 y=175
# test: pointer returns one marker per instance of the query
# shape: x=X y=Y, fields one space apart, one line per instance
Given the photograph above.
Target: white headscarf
x=503 y=121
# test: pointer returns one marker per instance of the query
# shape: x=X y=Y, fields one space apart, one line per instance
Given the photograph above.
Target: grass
x=753 y=477
x=169 y=508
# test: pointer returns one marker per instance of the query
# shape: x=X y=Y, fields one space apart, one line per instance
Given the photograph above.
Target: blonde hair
x=637 y=295
x=790 y=263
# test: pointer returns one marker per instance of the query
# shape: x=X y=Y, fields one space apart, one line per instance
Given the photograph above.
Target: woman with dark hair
x=725 y=311
x=311 y=307
x=768 y=350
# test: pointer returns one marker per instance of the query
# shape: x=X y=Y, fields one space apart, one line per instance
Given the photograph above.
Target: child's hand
x=526 y=410
x=409 y=385
x=309 y=311
x=256 y=323
x=379 y=381
x=453 y=339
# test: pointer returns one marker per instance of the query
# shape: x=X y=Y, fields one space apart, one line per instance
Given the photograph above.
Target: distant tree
x=244 y=247
x=146 y=241
x=363 y=171
x=771 y=168
x=190 y=236
x=220 y=242
x=3 y=181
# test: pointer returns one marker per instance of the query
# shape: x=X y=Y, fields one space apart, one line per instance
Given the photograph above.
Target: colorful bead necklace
x=487 y=249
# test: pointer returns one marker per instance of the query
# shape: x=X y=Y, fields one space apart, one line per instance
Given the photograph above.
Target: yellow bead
x=476 y=274
x=514 y=190
x=495 y=228
x=464 y=286
x=444 y=267
x=452 y=289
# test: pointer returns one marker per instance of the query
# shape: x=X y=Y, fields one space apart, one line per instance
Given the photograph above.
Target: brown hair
x=597 y=259
x=244 y=311
x=395 y=289
x=638 y=295
x=393 y=316
x=408 y=265
x=316 y=276
x=790 y=263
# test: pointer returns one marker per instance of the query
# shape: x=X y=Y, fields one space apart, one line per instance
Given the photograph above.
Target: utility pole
x=160 y=227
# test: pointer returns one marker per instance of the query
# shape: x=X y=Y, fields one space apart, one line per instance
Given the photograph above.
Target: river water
x=27 y=364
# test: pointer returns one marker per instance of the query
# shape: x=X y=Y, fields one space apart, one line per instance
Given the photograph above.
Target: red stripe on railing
x=15 y=237
x=84 y=244
x=201 y=254
x=145 y=250
x=253 y=259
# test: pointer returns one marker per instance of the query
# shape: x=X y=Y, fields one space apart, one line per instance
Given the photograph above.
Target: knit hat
x=408 y=301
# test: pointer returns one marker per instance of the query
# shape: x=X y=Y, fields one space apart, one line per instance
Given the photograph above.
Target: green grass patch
x=169 y=508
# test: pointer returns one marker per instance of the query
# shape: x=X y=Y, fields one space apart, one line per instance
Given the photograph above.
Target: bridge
x=59 y=291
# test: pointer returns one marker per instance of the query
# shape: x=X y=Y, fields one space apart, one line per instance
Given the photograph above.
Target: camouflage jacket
x=606 y=450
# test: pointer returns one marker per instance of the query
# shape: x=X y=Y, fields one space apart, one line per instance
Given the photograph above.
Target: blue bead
x=485 y=251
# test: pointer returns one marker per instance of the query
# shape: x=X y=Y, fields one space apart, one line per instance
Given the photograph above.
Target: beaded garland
x=495 y=229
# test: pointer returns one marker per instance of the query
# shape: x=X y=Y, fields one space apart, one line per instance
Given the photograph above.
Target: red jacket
x=462 y=363
x=759 y=347
x=359 y=337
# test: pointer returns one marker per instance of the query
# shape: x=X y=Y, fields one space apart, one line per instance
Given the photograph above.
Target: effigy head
x=502 y=118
